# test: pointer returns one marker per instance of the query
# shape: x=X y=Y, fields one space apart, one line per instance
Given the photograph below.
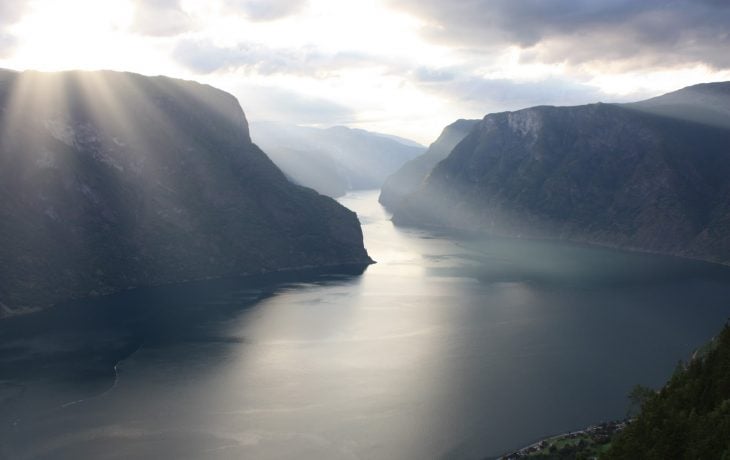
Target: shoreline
x=8 y=313
x=599 y=435
x=464 y=232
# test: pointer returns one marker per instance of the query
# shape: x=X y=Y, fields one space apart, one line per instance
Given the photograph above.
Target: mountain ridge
x=603 y=174
x=113 y=180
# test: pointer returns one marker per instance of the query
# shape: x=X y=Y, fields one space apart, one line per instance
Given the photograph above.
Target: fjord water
x=446 y=348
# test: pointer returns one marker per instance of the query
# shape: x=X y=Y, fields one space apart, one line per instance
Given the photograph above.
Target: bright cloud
x=405 y=67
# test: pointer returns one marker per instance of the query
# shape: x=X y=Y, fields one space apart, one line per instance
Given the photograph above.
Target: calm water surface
x=446 y=348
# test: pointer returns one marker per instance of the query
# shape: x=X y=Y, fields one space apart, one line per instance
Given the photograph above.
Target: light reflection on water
x=445 y=348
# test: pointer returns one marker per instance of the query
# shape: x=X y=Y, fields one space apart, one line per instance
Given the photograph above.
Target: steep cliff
x=410 y=176
x=630 y=176
x=114 y=180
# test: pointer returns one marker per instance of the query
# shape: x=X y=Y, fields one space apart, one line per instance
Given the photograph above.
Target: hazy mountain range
x=334 y=160
x=114 y=180
x=652 y=176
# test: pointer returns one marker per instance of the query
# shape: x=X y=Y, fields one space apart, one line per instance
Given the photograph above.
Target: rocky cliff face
x=410 y=176
x=335 y=160
x=616 y=175
x=113 y=180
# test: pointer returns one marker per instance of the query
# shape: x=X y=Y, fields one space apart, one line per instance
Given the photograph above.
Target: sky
x=403 y=67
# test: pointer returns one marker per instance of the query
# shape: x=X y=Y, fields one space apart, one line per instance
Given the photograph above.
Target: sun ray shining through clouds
x=396 y=66
x=193 y=194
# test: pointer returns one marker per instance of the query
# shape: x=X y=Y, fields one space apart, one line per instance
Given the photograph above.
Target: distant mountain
x=401 y=140
x=114 y=180
x=334 y=160
x=652 y=176
x=410 y=176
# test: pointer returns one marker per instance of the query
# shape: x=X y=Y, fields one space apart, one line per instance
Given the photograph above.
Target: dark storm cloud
x=205 y=57
x=638 y=33
x=266 y=10
x=160 y=18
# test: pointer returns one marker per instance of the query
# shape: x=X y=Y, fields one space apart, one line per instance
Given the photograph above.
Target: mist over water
x=446 y=348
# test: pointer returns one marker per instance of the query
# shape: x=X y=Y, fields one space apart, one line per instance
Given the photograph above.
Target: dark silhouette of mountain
x=114 y=180
x=334 y=160
x=652 y=176
x=410 y=176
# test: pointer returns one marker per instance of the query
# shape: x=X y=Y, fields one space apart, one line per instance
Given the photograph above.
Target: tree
x=638 y=396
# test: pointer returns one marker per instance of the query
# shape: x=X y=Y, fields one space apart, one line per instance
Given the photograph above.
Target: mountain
x=689 y=417
x=707 y=103
x=407 y=179
x=629 y=176
x=334 y=160
x=110 y=181
x=400 y=140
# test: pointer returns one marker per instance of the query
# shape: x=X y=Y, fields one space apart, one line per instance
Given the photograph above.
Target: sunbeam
x=56 y=35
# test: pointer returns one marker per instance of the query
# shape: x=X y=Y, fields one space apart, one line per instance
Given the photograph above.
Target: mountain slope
x=707 y=103
x=334 y=160
x=690 y=417
x=114 y=180
x=407 y=179
x=615 y=175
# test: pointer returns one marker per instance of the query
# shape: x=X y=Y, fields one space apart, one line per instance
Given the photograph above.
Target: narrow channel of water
x=443 y=349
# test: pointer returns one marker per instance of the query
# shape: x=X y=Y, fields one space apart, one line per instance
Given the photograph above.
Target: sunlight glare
x=79 y=34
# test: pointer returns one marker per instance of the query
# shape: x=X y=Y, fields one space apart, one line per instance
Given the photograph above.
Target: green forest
x=687 y=419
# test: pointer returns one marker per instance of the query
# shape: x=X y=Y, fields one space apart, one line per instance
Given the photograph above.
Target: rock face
x=336 y=160
x=651 y=176
x=114 y=180
x=410 y=176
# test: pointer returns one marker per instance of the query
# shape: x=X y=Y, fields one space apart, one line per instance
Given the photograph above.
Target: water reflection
x=452 y=348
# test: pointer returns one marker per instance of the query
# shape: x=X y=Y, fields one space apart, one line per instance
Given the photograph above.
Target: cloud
x=160 y=18
x=273 y=103
x=168 y=18
x=484 y=95
x=266 y=10
x=427 y=75
x=203 y=56
x=646 y=33
x=7 y=44
x=10 y=12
